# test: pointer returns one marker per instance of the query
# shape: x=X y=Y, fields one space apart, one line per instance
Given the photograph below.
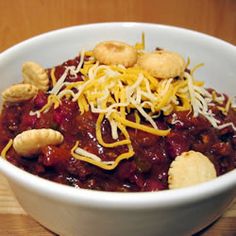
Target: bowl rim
x=121 y=200
x=101 y=199
x=117 y=24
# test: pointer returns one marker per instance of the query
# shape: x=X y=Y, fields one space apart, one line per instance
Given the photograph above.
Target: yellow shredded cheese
x=6 y=148
x=53 y=78
x=113 y=91
x=52 y=100
x=225 y=109
x=99 y=135
x=97 y=162
x=144 y=128
x=141 y=46
x=196 y=67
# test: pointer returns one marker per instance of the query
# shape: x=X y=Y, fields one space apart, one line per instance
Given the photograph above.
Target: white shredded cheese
x=227 y=125
x=85 y=153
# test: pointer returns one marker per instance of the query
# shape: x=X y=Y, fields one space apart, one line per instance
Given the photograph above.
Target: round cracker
x=190 y=168
x=162 y=64
x=115 y=52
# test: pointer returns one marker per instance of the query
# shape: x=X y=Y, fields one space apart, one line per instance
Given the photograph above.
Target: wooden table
x=21 y=19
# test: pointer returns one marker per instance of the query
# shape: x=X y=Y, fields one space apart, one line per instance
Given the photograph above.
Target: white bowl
x=69 y=211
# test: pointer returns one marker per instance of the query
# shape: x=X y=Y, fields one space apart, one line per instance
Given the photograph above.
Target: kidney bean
x=54 y=156
x=222 y=149
x=86 y=122
x=153 y=185
x=186 y=120
x=177 y=142
x=126 y=169
x=143 y=165
x=40 y=100
x=137 y=179
x=154 y=155
x=78 y=168
x=145 y=139
x=28 y=120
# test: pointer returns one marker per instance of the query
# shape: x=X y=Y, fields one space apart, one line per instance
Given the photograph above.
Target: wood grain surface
x=22 y=19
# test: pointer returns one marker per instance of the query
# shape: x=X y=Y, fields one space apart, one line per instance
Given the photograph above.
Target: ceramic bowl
x=79 y=212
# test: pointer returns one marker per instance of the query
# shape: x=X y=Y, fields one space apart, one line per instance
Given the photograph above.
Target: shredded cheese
x=227 y=125
x=6 y=148
x=95 y=160
x=225 y=109
x=113 y=91
x=53 y=78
